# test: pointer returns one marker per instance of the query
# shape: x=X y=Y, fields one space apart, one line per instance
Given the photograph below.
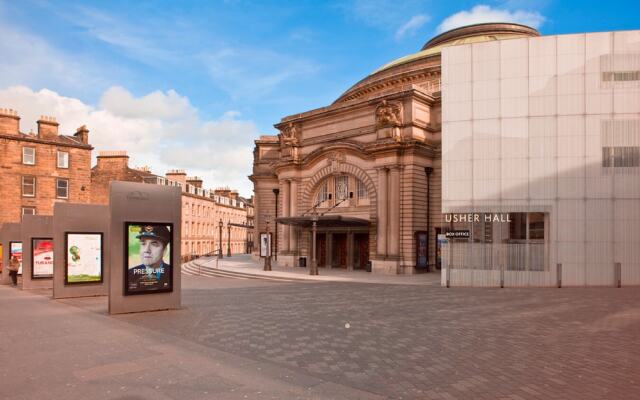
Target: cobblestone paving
x=427 y=342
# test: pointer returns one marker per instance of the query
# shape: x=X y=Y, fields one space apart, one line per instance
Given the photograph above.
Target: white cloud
x=483 y=13
x=167 y=106
x=218 y=150
x=410 y=27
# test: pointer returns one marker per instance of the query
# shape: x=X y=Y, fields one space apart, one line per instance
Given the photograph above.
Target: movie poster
x=148 y=258
x=15 y=250
x=84 y=257
x=42 y=258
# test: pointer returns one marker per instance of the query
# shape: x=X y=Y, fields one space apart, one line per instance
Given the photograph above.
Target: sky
x=191 y=84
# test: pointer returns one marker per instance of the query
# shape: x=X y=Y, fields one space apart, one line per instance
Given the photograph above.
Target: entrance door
x=321 y=249
x=361 y=250
x=339 y=247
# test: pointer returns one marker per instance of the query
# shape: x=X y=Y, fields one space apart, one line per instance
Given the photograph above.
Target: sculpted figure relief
x=388 y=114
x=290 y=134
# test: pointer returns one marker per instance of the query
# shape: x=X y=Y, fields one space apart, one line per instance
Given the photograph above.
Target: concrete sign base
x=38 y=227
x=143 y=216
x=72 y=221
x=8 y=233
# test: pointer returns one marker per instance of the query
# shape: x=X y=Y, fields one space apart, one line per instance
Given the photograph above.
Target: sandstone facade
x=377 y=151
x=39 y=169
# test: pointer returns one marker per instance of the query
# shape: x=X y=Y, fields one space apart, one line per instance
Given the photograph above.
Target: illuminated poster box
x=15 y=249
x=148 y=248
x=84 y=261
x=41 y=258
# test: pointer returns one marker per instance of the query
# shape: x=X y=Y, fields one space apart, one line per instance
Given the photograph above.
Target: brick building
x=39 y=169
x=202 y=210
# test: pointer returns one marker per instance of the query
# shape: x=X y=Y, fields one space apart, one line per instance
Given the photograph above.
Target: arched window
x=344 y=190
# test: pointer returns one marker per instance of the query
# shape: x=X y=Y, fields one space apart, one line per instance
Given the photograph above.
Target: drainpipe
x=428 y=171
x=276 y=192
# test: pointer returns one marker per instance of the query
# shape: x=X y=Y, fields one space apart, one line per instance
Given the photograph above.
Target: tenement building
x=212 y=220
x=39 y=169
x=521 y=168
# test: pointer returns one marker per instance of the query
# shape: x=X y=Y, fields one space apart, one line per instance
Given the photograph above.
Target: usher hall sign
x=473 y=217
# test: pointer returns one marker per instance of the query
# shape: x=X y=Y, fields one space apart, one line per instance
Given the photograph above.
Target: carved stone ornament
x=290 y=135
x=335 y=159
x=388 y=115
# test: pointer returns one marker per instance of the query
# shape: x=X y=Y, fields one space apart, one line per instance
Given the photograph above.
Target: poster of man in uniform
x=42 y=258
x=265 y=244
x=84 y=257
x=148 y=258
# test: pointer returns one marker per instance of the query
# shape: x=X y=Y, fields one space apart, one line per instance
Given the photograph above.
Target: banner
x=148 y=259
x=42 y=258
x=84 y=257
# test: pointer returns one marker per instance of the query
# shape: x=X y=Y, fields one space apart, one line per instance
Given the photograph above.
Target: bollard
x=559 y=275
x=502 y=276
x=617 y=273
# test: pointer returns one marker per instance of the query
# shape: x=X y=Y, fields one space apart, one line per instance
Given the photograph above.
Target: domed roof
x=477 y=33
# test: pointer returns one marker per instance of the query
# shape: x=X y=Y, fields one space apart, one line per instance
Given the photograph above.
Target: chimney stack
x=113 y=160
x=47 y=127
x=195 y=181
x=82 y=134
x=9 y=121
x=177 y=175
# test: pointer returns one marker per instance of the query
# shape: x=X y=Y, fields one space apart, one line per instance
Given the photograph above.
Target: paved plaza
x=254 y=339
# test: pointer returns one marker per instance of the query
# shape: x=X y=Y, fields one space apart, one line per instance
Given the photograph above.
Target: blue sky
x=191 y=84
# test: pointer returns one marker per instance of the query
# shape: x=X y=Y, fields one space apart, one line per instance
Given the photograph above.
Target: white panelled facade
x=548 y=125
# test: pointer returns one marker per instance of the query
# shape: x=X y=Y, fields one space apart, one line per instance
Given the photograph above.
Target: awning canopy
x=324 y=221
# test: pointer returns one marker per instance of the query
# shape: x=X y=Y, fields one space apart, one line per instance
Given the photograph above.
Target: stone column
x=329 y=249
x=285 y=213
x=382 y=213
x=393 y=240
x=350 y=251
x=293 y=211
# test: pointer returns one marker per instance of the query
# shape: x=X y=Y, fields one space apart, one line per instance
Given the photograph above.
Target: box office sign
x=41 y=258
x=457 y=235
x=83 y=262
x=149 y=251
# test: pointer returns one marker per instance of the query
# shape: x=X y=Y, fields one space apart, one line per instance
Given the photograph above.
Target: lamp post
x=267 y=258
x=220 y=239
x=313 y=270
x=246 y=237
x=228 y=238
x=276 y=192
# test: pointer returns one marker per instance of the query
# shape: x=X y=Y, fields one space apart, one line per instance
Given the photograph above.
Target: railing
x=495 y=256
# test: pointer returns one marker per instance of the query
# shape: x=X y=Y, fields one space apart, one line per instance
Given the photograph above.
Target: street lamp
x=220 y=239
x=267 y=258
x=228 y=238
x=313 y=270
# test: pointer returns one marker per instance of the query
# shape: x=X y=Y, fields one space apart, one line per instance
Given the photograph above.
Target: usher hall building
x=497 y=155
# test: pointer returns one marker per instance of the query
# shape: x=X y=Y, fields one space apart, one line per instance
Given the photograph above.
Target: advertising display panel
x=15 y=250
x=83 y=262
x=148 y=248
x=265 y=244
x=42 y=258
